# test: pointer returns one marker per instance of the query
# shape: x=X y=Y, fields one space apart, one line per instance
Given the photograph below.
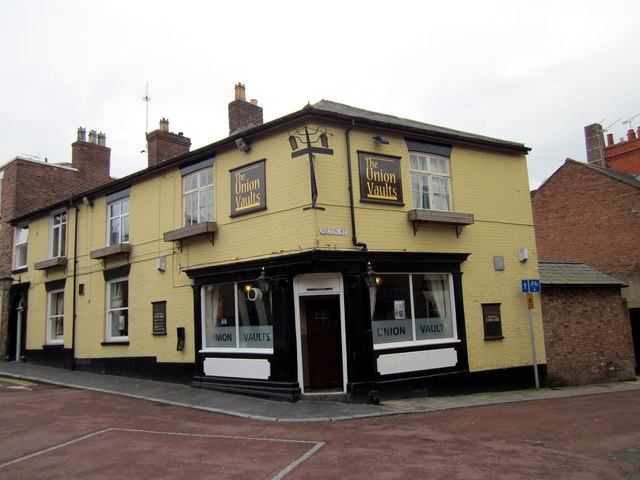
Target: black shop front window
x=236 y=316
x=413 y=309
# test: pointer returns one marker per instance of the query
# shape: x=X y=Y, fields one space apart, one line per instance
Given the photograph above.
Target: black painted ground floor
x=353 y=324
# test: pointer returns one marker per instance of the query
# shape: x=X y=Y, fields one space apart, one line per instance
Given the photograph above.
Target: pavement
x=305 y=410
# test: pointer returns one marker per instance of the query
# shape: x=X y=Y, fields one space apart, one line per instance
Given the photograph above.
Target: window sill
x=199 y=229
x=51 y=262
x=114 y=343
x=20 y=269
x=106 y=252
x=459 y=220
x=53 y=346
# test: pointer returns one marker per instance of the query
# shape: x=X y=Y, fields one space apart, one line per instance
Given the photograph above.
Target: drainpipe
x=75 y=281
x=354 y=239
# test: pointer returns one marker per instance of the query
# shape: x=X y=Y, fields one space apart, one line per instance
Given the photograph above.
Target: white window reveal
x=22 y=236
x=58 y=235
x=198 y=197
x=235 y=317
x=414 y=309
x=118 y=309
x=430 y=181
x=55 y=317
x=118 y=221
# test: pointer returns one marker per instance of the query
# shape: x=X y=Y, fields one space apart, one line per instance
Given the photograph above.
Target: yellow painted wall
x=491 y=186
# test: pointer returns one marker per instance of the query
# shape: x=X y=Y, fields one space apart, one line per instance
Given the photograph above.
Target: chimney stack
x=243 y=114
x=163 y=145
x=594 y=139
x=92 y=158
x=631 y=134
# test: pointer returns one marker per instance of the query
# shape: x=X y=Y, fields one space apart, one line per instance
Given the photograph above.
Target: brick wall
x=583 y=215
x=587 y=335
x=163 y=145
x=624 y=156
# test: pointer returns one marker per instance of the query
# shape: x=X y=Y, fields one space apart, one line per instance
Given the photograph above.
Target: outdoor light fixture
x=381 y=139
x=263 y=281
x=243 y=145
x=308 y=137
x=87 y=203
x=371 y=277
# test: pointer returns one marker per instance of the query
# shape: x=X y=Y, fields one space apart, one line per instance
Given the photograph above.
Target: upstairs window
x=58 y=235
x=430 y=181
x=22 y=235
x=118 y=221
x=197 y=198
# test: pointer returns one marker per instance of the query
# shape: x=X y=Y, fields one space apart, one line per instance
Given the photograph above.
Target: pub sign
x=380 y=179
x=248 y=189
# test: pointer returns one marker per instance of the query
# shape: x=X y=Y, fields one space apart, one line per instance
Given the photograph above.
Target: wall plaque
x=492 y=321
x=380 y=179
x=248 y=189
x=159 y=318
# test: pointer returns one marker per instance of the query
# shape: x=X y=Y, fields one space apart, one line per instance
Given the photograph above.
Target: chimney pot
x=240 y=89
x=610 y=140
x=253 y=101
x=164 y=125
x=92 y=136
x=102 y=139
x=631 y=134
x=82 y=134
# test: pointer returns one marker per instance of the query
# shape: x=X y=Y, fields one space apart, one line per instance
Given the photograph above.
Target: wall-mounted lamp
x=381 y=139
x=293 y=142
x=87 y=203
x=243 y=145
x=263 y=281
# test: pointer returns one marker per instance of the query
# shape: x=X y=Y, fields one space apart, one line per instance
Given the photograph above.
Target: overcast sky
x=531 y=72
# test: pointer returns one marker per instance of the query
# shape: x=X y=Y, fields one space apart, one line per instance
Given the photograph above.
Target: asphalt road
x=52 y=432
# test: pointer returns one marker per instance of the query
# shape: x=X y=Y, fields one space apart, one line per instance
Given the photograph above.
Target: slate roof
x=391 y=121
x=574 y=274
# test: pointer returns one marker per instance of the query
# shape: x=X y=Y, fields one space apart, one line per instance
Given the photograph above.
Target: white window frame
x=415 y=342
x=206 y=290
x=197 y=192
x=52 y=319
x=21 y=247
x=111 y=309
x=58 y=231
x=429 y=176
x=122 y=218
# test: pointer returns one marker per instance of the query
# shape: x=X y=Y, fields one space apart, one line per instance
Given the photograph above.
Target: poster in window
x=248 y=189
x=492 y=321
x=380 y=179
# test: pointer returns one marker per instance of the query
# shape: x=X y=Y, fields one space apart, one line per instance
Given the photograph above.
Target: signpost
x=530 y=287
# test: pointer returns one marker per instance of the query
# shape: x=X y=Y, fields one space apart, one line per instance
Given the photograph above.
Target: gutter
x=75 y=281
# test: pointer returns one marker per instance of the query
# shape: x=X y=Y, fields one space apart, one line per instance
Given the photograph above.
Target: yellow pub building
x=333 y=250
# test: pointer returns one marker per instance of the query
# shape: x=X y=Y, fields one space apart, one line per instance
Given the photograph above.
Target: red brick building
x=623 y=156
x=587 y=334
x=28 y=184
x=588 y=214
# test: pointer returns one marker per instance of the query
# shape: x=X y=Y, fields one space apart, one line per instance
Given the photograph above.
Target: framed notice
x=492 y=321
x=159 y=310
x=248 y=189
x=380 y=178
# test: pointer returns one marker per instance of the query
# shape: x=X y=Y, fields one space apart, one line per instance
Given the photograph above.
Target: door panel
x=323 y=336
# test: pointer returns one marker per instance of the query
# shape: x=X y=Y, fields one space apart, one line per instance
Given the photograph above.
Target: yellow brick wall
x=491 y=186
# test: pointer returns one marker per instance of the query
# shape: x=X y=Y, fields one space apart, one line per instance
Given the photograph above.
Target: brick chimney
x=594 y=139
x=163 y=145
x=243 y=114
x=92 y=158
